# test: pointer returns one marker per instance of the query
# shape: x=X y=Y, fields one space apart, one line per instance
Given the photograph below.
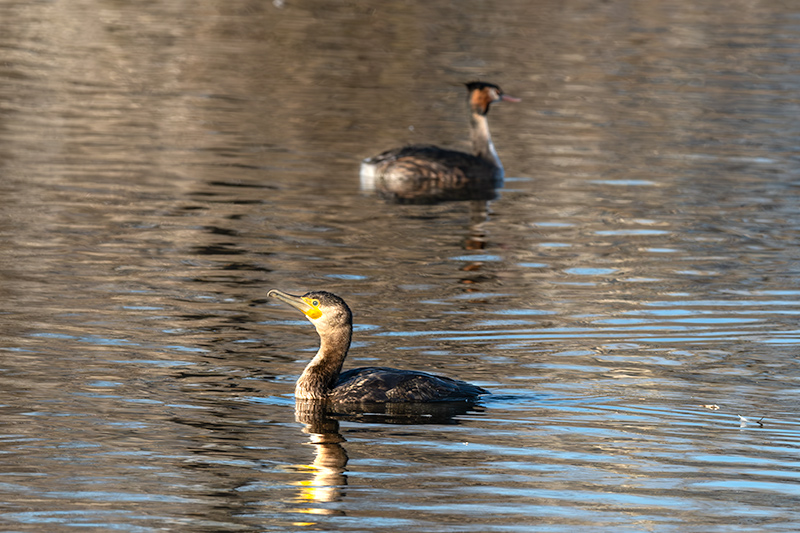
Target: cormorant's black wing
x=389 y=385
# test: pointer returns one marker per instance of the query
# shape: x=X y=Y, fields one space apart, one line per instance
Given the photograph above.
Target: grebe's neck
x=320 y=375
x=482 y=145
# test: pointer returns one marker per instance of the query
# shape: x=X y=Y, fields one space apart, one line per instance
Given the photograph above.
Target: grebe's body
x=323 y=379
x=426 y=173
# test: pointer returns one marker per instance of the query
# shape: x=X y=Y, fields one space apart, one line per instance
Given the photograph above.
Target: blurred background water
x=631 y=299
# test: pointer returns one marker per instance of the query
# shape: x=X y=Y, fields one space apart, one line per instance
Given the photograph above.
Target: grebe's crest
x=483 y=94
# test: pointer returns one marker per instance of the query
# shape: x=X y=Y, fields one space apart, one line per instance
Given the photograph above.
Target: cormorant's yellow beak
x=308 y=306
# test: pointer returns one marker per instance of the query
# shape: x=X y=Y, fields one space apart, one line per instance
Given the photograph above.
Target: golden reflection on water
x=330 y=459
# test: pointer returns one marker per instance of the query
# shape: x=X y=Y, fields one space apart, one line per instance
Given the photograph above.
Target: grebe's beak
x=509 y=98
x=298 y=302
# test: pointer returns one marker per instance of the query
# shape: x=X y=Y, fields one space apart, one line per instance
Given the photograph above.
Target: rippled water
x=631 y=299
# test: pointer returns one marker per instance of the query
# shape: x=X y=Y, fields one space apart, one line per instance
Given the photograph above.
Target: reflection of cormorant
x=330 y=460
x=321 y=379
x=427 y=174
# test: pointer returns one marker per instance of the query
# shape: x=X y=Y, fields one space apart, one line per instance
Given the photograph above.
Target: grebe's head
x=483 y=94
x=323 y=309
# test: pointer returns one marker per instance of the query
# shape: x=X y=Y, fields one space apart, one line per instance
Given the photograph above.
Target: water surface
x=631 y=299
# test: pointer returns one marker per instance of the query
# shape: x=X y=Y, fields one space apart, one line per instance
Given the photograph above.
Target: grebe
x=426 y=174
x=322 y=380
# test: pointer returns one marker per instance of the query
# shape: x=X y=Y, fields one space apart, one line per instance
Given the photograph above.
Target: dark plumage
x=322 y=378
x=426 y=173
x=390 y=385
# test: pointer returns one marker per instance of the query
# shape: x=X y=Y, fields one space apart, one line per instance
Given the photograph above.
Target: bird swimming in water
x=323 y=379
x=428 y=174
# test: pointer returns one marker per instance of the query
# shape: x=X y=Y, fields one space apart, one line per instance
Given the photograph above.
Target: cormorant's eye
x=315 y=303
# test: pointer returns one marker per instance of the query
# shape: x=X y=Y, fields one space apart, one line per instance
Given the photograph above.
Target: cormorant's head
x=324 y=309
x=483 y=94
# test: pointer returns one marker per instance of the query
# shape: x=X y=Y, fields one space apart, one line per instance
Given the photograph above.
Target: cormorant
x=323 y=379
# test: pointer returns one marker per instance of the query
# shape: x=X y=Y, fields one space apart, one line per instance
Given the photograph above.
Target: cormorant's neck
x=320 y=375
x=482 y=145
